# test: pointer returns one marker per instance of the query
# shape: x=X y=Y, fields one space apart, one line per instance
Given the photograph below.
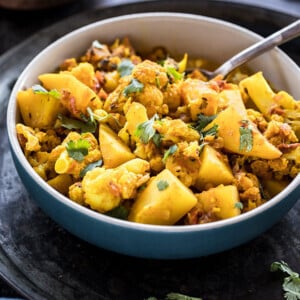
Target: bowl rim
x=102 y=218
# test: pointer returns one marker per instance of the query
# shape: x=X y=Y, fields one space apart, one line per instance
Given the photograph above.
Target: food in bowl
x=136 y=137
x=210 y=38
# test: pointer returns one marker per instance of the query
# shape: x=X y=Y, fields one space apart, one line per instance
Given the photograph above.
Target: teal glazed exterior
x=150 y=241
x=159 y=242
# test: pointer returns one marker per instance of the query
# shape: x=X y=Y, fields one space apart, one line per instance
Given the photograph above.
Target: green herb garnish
x=38 y=89
x=239 y=205
x=119 y=212
x=202 y=121
x=78 y=149
x=291 y=283
x=172 y=72
x=90 y=167
x=125 y=67
x=246 y=138
x=169 y=152
x=145 y=131
x=162 y=185
x=134 y=87
x=213 y=131
x=175 y=296
x=89 y=125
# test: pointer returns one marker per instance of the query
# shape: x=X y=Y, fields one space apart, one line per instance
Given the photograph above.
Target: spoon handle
x=285 y=34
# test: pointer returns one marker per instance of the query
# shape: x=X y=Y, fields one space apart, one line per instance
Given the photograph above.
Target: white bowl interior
x=197 y=35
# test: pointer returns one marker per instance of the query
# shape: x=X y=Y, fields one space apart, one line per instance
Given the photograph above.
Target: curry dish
x=143 y=139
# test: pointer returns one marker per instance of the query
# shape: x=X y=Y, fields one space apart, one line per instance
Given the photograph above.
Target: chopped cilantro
x=239 y=205
x=125 y=67
x=90 y=167
x=119 y=212
x=213 y=131
x=38 y=89
x=246 y=138
x=169 y=152
x=157 y=139
x=291 y=283
x=78 y=149
x=162 y=185
x=172 y=72
x=134 y=87
x=202 y=121
x=145 y=130
x=175 y=296
x=87 y=125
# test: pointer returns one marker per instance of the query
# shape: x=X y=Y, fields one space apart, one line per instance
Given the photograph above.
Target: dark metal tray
x=43 y=261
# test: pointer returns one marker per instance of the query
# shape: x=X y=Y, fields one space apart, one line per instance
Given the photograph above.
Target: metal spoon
x=284 y=35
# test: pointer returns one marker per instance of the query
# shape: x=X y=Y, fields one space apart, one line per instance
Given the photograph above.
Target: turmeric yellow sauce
x=139 y=138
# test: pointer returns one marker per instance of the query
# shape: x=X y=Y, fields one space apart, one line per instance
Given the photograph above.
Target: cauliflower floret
x=27 y=139
x=65 y=164
x=258 y=119
x=150 y=153
x=249 y=191
x=105 y=189
x=175 y=131
x=149 y=72
x=184 y=163
x=152 y=98
x=279 y=133
x=200 y=97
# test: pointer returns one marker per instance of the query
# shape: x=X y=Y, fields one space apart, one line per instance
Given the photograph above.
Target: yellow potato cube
x=114 y=151
x=213 y=169
x=221 y=201
x=163 y=202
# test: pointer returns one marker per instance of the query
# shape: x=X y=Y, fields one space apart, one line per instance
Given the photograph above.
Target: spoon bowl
x=278 y=38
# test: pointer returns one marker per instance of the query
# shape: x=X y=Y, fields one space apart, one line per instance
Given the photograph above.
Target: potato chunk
x=163 y=202
x=38 y=110
x=77 y=96
x=214 y=170
x=229 y=122
x=221 y=201
x=114 y=150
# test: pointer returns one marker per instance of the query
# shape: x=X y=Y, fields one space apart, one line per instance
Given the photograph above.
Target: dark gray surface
x=43 y=261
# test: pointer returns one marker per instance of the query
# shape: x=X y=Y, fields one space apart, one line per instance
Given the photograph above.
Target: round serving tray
x=43 y=261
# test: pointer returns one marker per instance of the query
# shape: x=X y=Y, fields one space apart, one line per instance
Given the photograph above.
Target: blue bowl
x=181 y=33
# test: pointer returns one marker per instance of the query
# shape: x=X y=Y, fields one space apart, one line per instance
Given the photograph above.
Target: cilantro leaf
x=78 y=149
x=90 y=167
x=83 y=126
x=134 y=87
x=211 y=131
x=202 y=121
x=246 y=138
x=169 y=152
x=157 y=139
x=162 y=185
x=145 y=130
x=239 y=205
x=291 y=283
x=173 y=73
x=125 y=67
x=38 y=89
x=177 y=296
x=119 y=212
